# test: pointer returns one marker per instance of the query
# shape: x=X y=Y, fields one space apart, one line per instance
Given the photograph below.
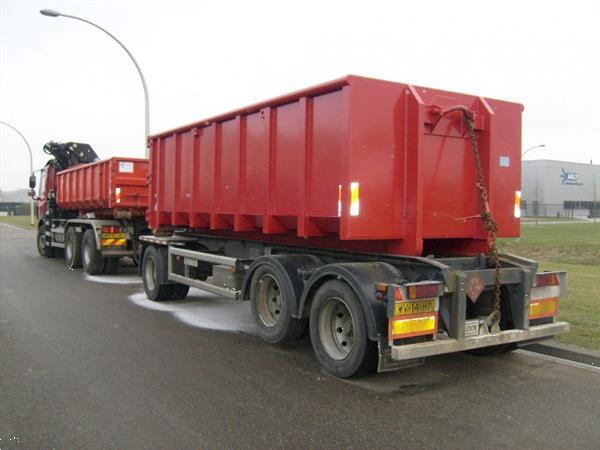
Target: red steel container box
x=356 y=164
x=116 y=183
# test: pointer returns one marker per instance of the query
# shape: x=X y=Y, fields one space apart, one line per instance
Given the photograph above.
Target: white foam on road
x=114 y=279
x=204 y=310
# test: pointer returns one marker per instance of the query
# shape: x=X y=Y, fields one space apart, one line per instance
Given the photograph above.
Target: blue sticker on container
x=505 y=161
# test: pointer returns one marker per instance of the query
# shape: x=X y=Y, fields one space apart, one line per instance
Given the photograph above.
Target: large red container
x=356 y=164
x=116 y=183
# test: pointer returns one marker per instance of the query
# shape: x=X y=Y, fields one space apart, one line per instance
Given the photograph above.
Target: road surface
x=89 y=363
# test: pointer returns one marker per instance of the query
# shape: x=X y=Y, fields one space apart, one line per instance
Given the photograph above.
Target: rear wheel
x=271 y=302
x=93 y=262
x=153 y=270
x=338 y=331
x=73 y=249
x=44 y=250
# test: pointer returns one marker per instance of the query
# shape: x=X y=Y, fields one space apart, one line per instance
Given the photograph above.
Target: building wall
x=554 y=182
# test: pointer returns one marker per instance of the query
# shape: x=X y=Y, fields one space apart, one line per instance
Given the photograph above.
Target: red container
x=116 y=183
x=357 y=164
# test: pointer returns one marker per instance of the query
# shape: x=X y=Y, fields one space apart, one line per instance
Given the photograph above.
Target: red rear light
x=546 y=279
x=111 y=229
x=423 y=290
x=398 y=294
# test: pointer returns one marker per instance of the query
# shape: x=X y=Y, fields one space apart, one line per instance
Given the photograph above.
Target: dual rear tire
x=338 y=332
x=338 y=328
x=81 y=252
x=154 y=277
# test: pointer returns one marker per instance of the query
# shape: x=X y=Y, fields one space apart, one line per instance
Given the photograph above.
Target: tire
x=338 y=332
x=73 y=249
x=44 y=250
x=93 y=262
x=153 y=265
x=271 y=300
x=111 y=265
x=493 y=350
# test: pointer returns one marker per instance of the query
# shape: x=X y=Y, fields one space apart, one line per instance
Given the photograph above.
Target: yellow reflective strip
x=107 y=242
x=415 y=325
x=354 y=199
x=121 y=242
x=543 y=308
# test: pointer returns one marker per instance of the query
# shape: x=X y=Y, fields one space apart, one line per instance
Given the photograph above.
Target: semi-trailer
x=91 y=211
x=365 y=211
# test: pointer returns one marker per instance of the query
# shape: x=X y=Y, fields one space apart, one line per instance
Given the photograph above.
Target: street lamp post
x=31 y=204
x=52 y=13
x=531 y=148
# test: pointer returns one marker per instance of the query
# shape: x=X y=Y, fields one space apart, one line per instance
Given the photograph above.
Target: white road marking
x=14 y=227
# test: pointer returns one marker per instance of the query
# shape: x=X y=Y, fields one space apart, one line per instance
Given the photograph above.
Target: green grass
x=574 y=248
x=19 y=221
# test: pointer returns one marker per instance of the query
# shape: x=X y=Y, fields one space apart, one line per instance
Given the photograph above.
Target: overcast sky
x=63 y=80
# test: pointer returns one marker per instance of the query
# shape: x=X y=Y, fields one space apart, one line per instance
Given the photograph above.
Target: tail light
x=546 y=293
x=118 y=195
x=413 y=309
x=546 y=279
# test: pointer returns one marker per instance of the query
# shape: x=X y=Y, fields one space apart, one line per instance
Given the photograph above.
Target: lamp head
x=49 y=13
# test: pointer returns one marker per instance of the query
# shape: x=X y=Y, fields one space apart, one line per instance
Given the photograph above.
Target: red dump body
x=356 y=164
x=116 y=183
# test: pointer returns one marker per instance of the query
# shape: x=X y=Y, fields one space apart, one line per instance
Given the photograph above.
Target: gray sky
x=63 y=80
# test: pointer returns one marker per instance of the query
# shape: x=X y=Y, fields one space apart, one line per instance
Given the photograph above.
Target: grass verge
x=574 y=248
x=18 y=221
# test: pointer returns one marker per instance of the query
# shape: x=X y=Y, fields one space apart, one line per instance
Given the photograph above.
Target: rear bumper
x=440 y=346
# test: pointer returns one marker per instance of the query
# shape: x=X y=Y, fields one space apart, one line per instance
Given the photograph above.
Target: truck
x=364 y=213
x=90 y=211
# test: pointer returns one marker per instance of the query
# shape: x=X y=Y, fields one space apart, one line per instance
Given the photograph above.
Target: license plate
x=113 y=235
x=422 y=306
x=471 y=328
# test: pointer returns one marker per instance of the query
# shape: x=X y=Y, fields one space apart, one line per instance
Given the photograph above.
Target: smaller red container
x=116 y=183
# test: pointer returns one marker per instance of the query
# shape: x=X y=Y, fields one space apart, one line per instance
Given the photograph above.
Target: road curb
x=568 y=352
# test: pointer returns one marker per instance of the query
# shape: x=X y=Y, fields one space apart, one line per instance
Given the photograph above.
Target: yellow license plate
x=422 y=306
x=113 y=235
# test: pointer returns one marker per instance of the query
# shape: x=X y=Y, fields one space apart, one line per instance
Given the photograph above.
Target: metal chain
x=488 y=221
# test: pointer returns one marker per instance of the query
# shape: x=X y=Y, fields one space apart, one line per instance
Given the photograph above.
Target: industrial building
x=560 y=189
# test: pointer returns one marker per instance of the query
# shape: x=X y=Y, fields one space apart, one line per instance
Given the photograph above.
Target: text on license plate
x=422 y=306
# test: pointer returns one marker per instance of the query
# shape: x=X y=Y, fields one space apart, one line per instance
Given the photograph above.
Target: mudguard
x=362 y=279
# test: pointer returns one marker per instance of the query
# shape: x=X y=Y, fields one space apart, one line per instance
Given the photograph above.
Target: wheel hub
x=269 y=301
x=336 y=328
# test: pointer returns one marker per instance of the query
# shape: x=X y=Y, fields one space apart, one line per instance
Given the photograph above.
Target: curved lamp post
x=52 y=13
x=531 y=148
x=31 y=205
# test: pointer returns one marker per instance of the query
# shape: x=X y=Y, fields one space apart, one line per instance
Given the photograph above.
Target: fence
x=568 y=210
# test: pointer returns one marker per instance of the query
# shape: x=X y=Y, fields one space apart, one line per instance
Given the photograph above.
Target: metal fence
x=570 y=210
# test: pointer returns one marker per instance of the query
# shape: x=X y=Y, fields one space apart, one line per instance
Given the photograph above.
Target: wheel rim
x=336 y=328
x=269 y=301
x=150 y=274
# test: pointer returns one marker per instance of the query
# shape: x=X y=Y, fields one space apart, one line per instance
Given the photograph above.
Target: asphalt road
x=88 y=364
